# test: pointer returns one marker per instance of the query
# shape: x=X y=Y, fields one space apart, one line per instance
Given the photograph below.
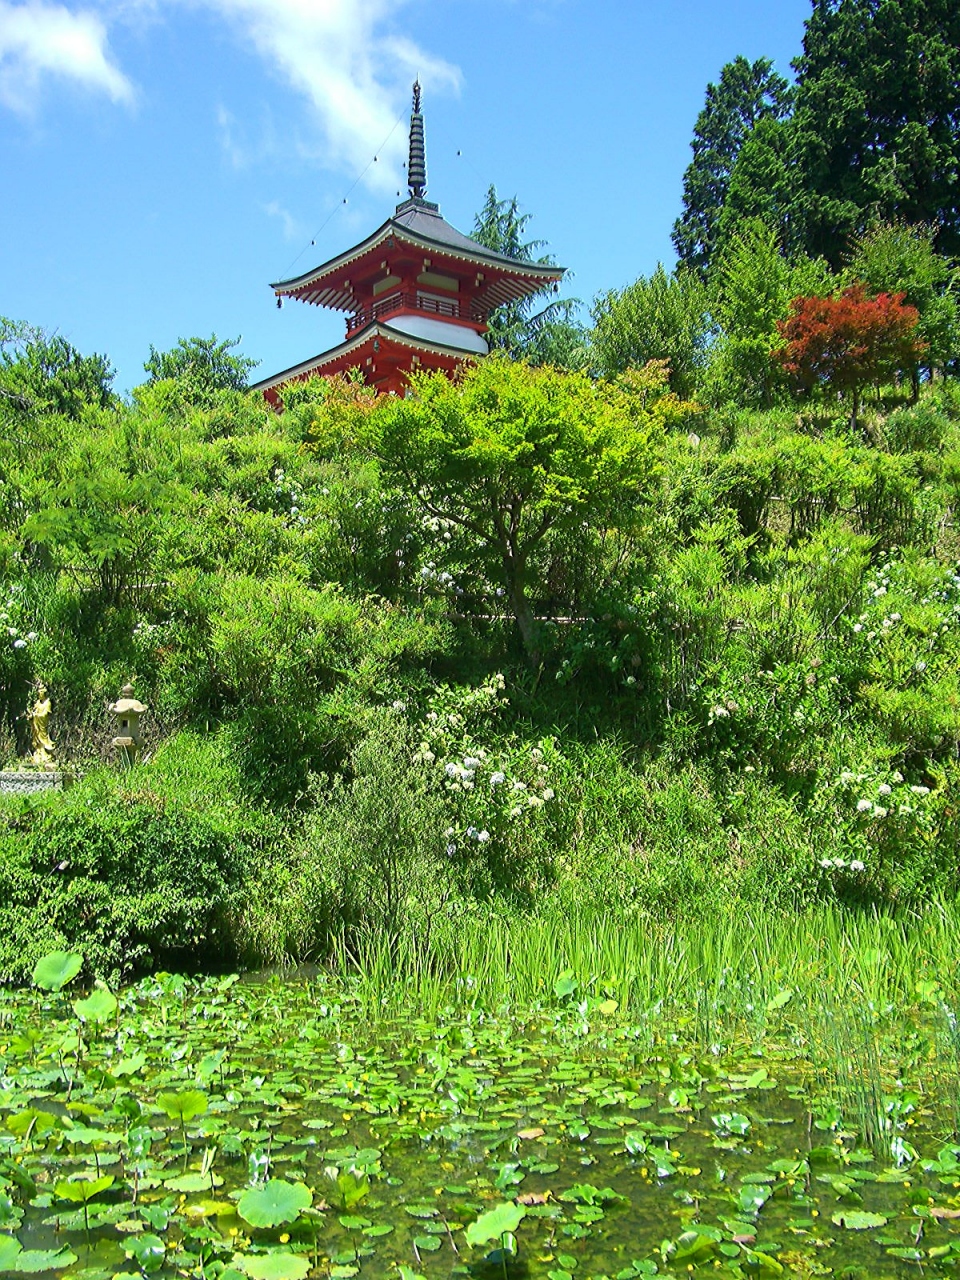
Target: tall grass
x=854 y=999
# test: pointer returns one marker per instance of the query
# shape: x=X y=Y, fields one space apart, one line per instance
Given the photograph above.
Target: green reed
x=850 y=994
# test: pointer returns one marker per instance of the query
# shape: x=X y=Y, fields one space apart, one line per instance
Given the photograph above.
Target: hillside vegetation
x=535 y=642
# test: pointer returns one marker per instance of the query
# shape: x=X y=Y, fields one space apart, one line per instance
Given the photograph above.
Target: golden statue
x=41 y=743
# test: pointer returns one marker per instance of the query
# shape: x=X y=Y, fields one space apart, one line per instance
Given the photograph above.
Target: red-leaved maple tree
x=849 y=341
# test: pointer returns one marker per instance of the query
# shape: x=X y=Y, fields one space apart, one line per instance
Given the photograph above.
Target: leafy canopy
x=875 y=126
x=202 y=366
x=657 y=318
x=511 y=454
x=44 y=373
x=527 y=329
x=896 y=257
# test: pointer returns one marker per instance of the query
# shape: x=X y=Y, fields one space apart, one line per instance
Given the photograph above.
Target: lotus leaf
x=55 y=970
x=99 y=1006
x=149 y=1252
x=33 y=1261
x=31 y=1121
x=274 y=1203
x=565 y=986
x=10 y=1214
x=183 y=1106
x=83 y=1190
x=10 y=1248
x=495 y=1223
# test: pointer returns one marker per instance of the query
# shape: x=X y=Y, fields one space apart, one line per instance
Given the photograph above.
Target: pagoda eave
x=384 y=356
x=329 y=286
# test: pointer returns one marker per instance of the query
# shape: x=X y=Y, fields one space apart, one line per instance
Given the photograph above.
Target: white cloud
x=233 y=148
x=354 y=71
x=291 y=228
x=347 y=58
x=38 y=40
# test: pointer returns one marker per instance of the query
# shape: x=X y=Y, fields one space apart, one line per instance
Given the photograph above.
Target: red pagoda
x=417 y=293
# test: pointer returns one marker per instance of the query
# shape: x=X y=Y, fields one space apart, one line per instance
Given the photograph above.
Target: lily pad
x=33 y=1261
x=857 y=1220
x=275 y=1202
x=281 y=1264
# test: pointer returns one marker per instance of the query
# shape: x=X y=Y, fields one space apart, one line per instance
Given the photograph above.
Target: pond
x=275 y=1130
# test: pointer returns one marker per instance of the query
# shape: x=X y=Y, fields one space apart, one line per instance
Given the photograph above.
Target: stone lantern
x=128 y=712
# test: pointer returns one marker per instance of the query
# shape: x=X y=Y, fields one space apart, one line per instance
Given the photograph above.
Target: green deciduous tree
x=510 y=456
x=527 y=329
x=751 y=288
x=747 y=93
x=657 y=318
x=895 y=257
x=875 y=126
x=46 y=374
x=202 y=367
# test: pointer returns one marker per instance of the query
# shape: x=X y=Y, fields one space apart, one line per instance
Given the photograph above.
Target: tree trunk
x=527 y=623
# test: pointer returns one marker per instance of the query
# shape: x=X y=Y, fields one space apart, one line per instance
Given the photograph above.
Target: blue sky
x=164 y=160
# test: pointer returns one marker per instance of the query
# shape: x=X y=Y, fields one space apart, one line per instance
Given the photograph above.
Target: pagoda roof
x=355 y=344
x=417 y=222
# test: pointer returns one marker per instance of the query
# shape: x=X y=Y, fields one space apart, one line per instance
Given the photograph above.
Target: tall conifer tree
x=876 y=130
x=746 y=93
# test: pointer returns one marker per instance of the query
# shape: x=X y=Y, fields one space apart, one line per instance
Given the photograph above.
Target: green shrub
x=132 y=868
x=371 y=855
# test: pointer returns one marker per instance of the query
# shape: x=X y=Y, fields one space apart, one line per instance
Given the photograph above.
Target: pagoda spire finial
x=417 y=163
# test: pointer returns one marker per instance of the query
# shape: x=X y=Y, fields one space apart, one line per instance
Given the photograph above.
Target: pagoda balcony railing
x=401 y=301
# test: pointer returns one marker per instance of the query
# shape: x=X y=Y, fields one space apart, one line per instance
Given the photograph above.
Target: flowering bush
x=491 y=791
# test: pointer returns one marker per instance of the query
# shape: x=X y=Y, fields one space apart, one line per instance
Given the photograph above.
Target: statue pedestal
x=26 y=783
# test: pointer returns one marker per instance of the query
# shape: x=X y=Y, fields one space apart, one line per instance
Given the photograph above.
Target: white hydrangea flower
x=863 y=805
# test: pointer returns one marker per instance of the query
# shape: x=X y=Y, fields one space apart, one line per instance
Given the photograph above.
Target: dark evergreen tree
x=748 y=92
x=763 y=184
x=527 y=329
x=876 y=130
